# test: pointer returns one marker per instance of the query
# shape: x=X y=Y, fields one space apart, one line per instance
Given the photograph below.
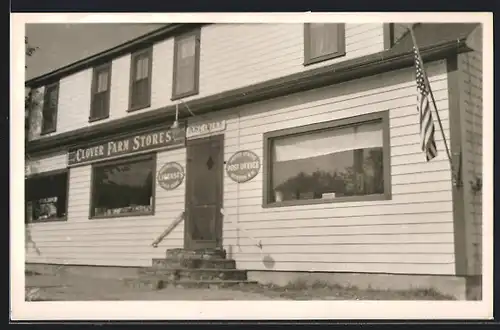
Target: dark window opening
x=46 y=197
x=124 y=188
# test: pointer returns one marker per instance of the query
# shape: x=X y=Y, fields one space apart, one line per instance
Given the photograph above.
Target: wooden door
x=204 y=174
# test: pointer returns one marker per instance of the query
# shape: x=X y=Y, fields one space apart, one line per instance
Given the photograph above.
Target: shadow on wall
x=267 y=260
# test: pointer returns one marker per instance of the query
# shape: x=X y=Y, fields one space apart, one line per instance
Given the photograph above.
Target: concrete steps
x=207 y=268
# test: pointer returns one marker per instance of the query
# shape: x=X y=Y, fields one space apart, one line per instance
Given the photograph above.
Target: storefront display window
x=125 y=187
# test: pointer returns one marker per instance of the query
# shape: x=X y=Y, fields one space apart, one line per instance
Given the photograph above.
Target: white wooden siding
x=412 y=233
x=116 y=241
x=232 y=56
x=470 y=67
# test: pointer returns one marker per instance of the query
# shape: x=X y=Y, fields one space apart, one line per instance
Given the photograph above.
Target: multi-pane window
x=100 y=92
x=328 y=163
x=46 y=197
x=124 y=187
x=49 y=112
x=186 y=65
x=140 y=80
x=323 y=41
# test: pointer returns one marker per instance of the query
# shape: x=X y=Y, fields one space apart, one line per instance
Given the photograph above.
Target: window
x=140 y=80
x=47 y=197
x=49 y=112
x=100 y=92
x=323 y=41
x=346 y=160
x=186 y=65
x=122 y=188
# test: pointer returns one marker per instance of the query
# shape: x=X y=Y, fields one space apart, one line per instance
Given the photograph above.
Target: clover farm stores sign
x=170 y=175
x=243 y=166
x=163 y=138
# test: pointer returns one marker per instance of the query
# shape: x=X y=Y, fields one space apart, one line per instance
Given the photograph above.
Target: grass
x=304 y=290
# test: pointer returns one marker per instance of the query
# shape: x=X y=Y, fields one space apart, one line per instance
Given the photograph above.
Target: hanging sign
x=162 y=138
x=195 y=130
x=243 y=166
x=170 y=175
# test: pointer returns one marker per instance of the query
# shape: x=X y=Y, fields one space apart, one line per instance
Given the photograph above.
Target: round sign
x=243 y=166
x=170 y=175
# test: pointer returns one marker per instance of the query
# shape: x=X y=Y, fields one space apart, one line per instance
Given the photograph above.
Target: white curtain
x=328 y=142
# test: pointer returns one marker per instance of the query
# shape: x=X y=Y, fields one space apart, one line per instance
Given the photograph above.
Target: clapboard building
x=293 y=147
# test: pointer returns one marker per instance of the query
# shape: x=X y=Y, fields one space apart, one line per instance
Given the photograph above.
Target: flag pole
x=432 y=96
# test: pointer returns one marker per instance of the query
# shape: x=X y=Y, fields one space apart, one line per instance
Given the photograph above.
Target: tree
x=30 y=99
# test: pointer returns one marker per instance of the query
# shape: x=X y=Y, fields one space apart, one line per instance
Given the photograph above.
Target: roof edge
x=112 y=53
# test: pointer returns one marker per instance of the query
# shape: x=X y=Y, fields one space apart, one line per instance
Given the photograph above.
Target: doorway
x=204 y=175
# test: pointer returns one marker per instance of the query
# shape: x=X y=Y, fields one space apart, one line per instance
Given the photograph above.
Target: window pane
x=328 y=164
x=102 y=81
x=142 y=67
x=100 y=106
x=323 y=39
x=46 y=197
x=185 y=75
x=140 y=93
x=124 y=188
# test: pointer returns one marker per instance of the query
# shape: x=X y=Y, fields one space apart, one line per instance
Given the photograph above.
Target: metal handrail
x=168 y=230
x=258 y=242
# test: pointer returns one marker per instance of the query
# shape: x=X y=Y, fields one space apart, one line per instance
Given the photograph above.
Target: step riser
x=202 y=254
x=194 y=263
x=170 y=275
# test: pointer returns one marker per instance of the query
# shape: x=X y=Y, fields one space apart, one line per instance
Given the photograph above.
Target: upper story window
x=140 y=80
x=49 y=112
x=186 y=65
x=100 y=92
x=323 y=41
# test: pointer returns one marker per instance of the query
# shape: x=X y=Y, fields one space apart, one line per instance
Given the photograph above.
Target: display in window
x=330 y=164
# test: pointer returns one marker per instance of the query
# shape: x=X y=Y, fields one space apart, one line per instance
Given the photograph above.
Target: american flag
x=427 y=142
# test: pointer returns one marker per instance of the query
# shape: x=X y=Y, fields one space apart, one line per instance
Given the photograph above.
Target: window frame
x=45 y=130
x=44 y=175
x=123 y=160
x=318 y=127
x=133 y=58
x=309 y=59
x=95 y=77
x=196 y=88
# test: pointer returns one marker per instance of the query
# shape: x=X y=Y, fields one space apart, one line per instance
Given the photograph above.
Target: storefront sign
x=196 y=130
x=157 y=139
x=170 y=175
x=243 y=166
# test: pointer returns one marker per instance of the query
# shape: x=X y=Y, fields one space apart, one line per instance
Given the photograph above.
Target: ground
x=70 y=287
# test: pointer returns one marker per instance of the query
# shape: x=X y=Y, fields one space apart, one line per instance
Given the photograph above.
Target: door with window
x=204 y=175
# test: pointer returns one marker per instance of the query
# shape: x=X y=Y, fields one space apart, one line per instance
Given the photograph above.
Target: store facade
x=327 y=179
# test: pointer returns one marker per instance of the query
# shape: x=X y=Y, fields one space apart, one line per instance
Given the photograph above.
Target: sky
x=62 y=44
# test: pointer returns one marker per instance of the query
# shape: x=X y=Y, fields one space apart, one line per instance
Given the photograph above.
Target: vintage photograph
x=254 y=161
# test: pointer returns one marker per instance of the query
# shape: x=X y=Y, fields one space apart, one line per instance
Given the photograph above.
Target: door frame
x=188 y=242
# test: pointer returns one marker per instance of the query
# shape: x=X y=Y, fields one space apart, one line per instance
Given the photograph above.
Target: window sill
x=93 y=119
x=181 y=96
x=323 y=58
x=367 y=198
x=32 y=222
x=47 y=131
x=124 y=215
x=139 y=107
